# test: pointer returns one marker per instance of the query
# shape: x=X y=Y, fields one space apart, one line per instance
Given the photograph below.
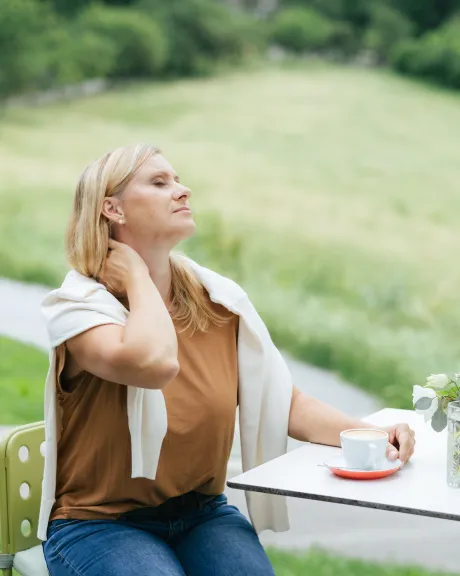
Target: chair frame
x=10 y=470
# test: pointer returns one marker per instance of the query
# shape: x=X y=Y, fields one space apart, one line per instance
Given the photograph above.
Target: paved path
x=20 y=317
x=354 y=532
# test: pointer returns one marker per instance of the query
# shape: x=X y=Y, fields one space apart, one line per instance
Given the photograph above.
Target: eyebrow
x=163 y=174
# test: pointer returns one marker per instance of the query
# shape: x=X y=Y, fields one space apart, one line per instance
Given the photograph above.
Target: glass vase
x=453 y=444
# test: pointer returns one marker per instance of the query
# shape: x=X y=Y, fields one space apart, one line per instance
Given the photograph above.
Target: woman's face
x=154 y=206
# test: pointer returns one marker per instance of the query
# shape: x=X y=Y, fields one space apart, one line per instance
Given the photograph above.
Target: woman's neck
x=157 y=260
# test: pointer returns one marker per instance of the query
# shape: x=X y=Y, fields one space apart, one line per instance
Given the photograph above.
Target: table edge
x=345 y=501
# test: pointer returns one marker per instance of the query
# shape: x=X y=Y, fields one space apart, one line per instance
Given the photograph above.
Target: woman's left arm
x=311 y=420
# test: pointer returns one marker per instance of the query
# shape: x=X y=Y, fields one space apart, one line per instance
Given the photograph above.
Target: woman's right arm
x=143 y=353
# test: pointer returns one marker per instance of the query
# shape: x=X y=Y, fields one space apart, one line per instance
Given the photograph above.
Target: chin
x=188 y=230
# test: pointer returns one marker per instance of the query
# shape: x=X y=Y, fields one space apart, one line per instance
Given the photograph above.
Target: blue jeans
x=216 y=540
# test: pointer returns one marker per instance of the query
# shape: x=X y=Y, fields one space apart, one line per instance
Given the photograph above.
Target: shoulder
x=78 y=288
x=227 y=292
x=219 y=287
x=79 y=304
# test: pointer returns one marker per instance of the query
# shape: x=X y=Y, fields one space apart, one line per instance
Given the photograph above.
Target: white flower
x=437 y=381
x=420 y=392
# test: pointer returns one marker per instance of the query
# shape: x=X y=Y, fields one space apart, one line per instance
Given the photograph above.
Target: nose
x=182 y=191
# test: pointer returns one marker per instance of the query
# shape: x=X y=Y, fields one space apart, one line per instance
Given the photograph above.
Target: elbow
x=156 y=371
x=161 y=373
x=148 y=371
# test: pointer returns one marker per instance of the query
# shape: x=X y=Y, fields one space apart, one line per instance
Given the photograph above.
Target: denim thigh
x=222 y=543
x=107 y=548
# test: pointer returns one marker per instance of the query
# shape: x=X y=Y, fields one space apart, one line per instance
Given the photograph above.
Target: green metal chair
x=21 y=474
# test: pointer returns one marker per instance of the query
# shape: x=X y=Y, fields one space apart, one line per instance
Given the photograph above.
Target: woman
x=152 y=353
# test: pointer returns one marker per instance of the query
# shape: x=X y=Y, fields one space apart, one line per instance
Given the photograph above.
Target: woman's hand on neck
x=157 y=260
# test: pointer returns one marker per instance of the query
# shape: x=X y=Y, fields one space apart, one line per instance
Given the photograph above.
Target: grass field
x=317 y=563
x=22 y=378
x=331 y=194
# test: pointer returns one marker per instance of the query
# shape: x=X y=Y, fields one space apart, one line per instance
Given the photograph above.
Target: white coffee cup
x=364 y=448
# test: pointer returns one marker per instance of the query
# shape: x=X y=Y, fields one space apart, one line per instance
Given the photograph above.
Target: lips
x=184 y=208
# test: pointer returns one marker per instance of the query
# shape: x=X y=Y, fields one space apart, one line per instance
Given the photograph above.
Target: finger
x=406 y=443
x=113 y=244
x=413 y=448
x=392 y=453
x=391 y=435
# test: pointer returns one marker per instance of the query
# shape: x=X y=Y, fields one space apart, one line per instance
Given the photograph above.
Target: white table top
x=419 y=488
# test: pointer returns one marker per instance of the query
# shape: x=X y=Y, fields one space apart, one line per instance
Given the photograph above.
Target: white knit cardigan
x=264 y=386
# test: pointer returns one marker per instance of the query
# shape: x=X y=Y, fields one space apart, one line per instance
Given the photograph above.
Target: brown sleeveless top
x=94 y=452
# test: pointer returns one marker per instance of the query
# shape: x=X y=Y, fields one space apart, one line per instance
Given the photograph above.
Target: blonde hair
x=89 y=232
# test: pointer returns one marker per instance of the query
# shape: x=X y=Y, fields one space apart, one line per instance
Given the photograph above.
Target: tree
x=22 y=26
x=427 y=14
x=68 y=7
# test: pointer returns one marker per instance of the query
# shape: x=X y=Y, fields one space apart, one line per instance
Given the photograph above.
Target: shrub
x=427 y=14
x=355 y=12
x=345 y=39
x=302 y=29
x=138 y=42
x=334 y=9
x=424 y=14
x=72 y=55
x=435 y=56
x=69 y=7
x=202 y=32
x=22 y=27
x=388 y=27
x=405 y=55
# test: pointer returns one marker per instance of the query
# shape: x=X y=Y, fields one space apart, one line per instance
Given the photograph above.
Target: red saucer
x=338 y=467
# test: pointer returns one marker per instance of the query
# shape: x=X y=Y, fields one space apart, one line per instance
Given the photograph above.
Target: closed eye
x=160 y=183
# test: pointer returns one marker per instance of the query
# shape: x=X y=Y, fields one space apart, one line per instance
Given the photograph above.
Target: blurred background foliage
x=48 y=43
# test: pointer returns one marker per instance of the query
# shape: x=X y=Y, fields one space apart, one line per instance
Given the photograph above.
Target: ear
x=112 y=210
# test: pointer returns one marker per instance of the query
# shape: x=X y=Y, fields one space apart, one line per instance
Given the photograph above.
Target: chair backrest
x=21 y=473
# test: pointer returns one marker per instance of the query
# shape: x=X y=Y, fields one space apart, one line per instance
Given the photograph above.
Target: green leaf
x=439 y=420
x=423 y=403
